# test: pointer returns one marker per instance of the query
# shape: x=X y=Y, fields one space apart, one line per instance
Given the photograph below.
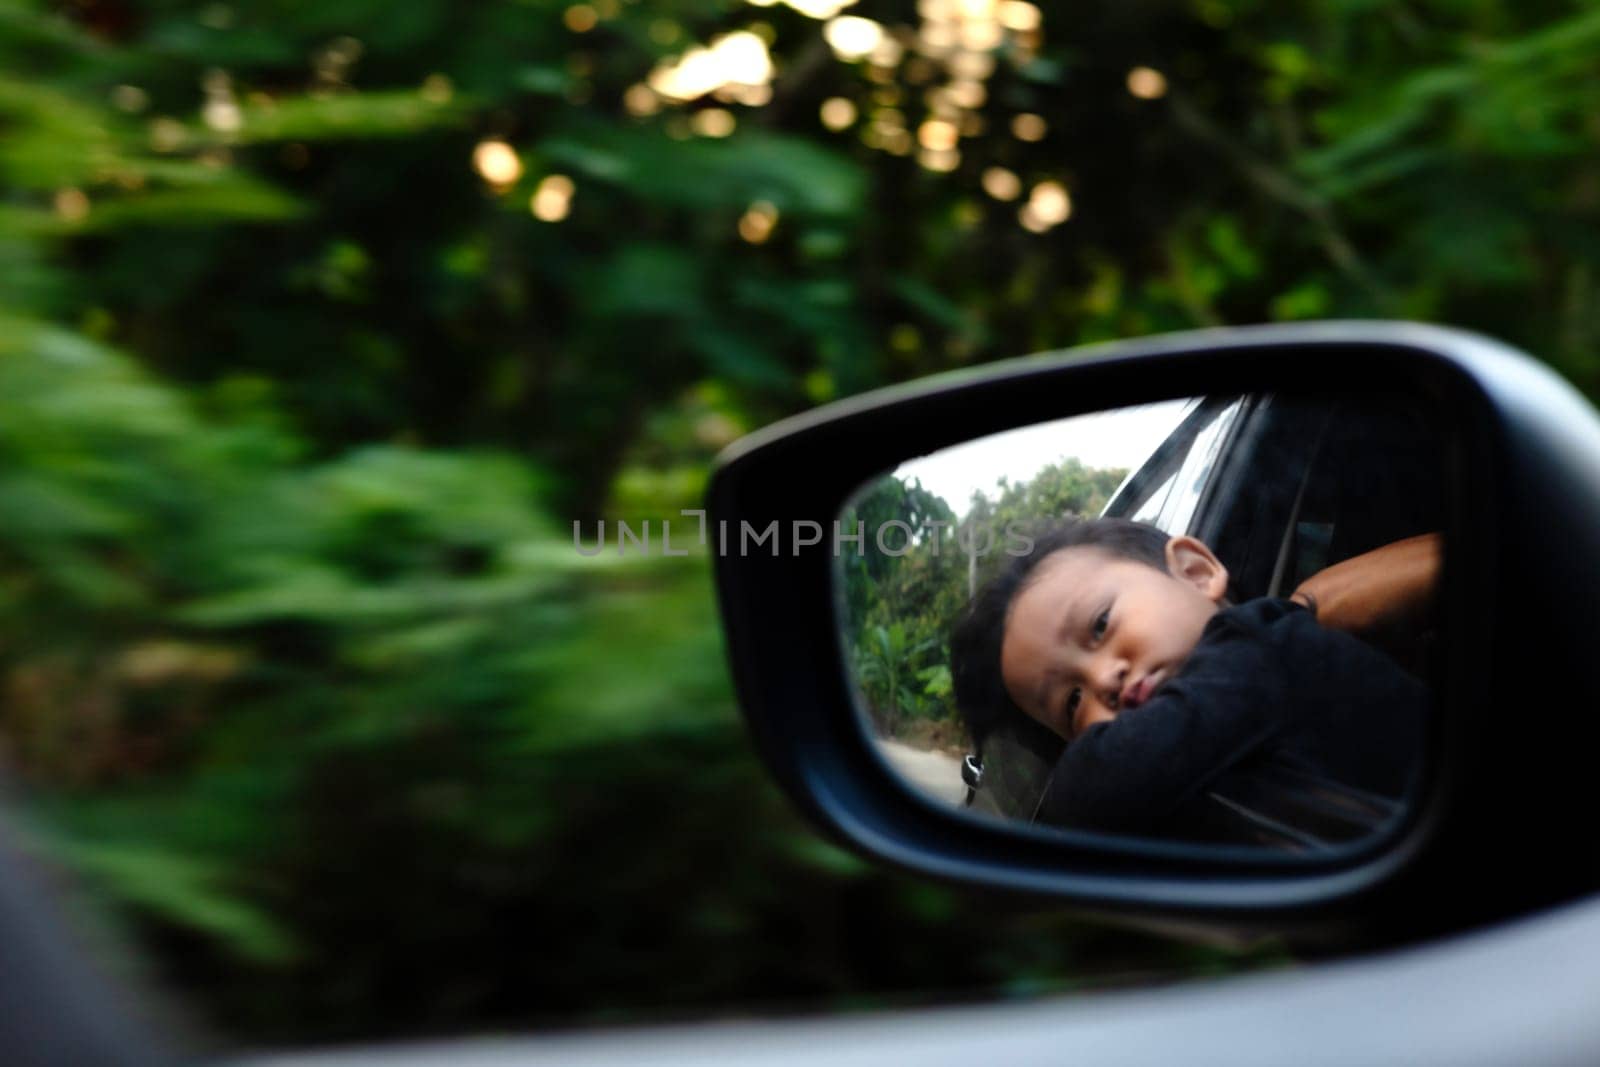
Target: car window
x=1193 y=476
x=1166 y=489
x=1156 y=503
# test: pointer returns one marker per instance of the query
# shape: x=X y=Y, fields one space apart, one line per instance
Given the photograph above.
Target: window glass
x=1156 y=503
x=1179 y=509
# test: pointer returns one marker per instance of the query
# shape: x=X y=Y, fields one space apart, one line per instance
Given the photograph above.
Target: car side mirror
x=1311 y=650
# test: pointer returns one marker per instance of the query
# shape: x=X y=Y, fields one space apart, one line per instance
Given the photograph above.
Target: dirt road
x=933 y=773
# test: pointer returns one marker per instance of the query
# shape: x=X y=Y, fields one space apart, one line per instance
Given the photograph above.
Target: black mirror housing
x=1509 y=750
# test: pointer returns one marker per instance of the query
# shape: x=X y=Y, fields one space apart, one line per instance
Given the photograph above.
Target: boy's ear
x=1190 y=561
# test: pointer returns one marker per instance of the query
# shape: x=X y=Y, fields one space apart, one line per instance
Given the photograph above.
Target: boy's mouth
x=1140 y=691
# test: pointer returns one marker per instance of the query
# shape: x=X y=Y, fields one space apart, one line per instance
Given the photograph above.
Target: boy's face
x=1094 y=634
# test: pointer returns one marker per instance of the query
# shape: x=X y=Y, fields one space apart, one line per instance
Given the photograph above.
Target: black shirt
x=1275 y=729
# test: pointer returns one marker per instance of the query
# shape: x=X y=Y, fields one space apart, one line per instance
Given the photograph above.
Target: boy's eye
x=1102 y=623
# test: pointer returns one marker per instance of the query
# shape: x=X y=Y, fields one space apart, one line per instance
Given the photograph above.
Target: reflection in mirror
x=1205 y=620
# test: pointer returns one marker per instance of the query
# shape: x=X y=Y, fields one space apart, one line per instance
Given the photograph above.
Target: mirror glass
x=1207 y=620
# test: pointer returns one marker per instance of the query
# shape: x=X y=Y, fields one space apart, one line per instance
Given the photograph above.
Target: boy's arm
x=1131 y=775
x=1395 y=582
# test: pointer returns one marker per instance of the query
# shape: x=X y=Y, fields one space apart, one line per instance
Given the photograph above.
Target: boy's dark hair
x=975 y=639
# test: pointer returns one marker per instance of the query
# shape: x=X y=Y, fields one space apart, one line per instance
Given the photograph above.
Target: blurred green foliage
x=319 y=325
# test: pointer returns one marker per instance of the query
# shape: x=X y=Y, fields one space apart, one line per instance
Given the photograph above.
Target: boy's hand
x=1388 y=584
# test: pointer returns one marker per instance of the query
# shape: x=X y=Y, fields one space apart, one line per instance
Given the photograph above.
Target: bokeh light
x=976 y=65
x=751 y=95
x=814 y=9
x=838 y=113
x=713 y=122
x=1029 y=127
x=1001 y=183
x=580 y=18
x=888 y=53
x=1030 y=219
x=1050 y=203
x=936 y=38
x=641 y=100
x=757 y=224
x=1147 y=83
x=937 y=135
x=496 y=162
x=967 y=93
x=980 y=35
x=1019 y=16
x=552 y=199
x=738 y=58
x=852 y=37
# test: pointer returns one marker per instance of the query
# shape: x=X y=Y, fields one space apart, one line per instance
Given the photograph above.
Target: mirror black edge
x=1504 y=782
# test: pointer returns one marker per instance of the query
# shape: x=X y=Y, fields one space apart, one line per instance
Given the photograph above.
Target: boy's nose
x=1110 y=679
